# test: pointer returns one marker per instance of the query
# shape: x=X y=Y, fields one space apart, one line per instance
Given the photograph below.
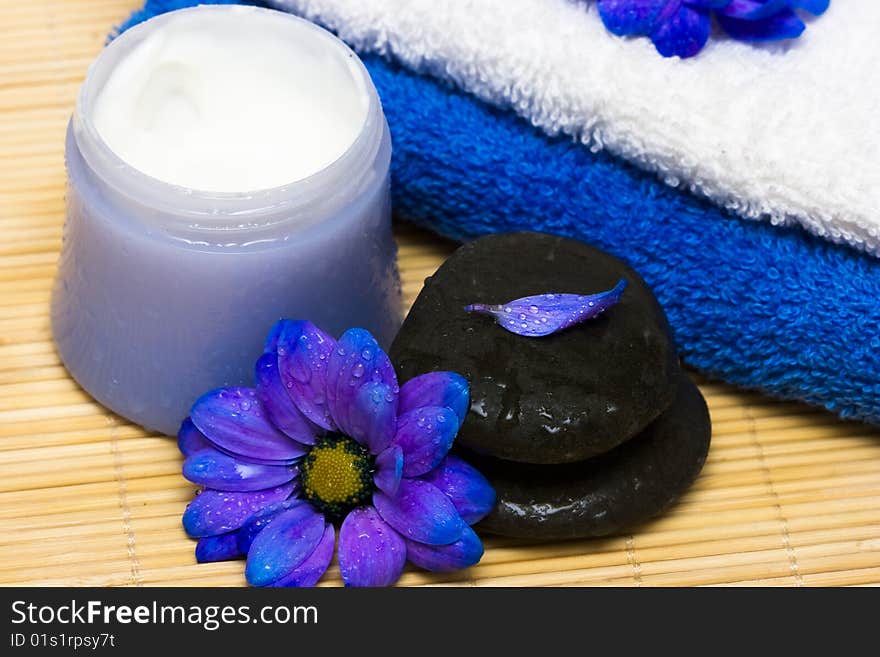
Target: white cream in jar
x=231 y=101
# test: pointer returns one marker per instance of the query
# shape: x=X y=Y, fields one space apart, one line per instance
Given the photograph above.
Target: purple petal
x=278 y=405
x=631 y=17
x=421 y=513
x=544 y=314
x=315 y=565
x=469 y=490
x=213 y=469
x=271 y=344
x=218 y=548
x=425 y=435
x=370 y=552
x=262 y=519
x=190 y=439
x=752 y=10
x=372 y=417
x=465 y=552
x=436 y=389
x=234 y=420
x=815 y=7
x=389 y=470
x=784 y=25
x=217 y=512
x=356 y=361
x=283 y=545
x=683 y=34
x=303 y=353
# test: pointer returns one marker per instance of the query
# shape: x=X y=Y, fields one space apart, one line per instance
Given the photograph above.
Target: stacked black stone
x=583 y=433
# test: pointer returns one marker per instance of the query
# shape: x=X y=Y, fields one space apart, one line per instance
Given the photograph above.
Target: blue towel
x=765 y=307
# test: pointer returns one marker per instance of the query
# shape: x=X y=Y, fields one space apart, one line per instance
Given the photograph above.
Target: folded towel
x=790 y=133
x=762 y=306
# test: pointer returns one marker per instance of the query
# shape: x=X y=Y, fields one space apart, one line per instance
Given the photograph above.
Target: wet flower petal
x=372 y=417
x=282 y=546
x=218 y=548
x=213 y=469
x=371 y=553
x=469 y=490
x=783 y=25
x=631 y=17
x=356 y=361
x=465 y=552
x=436 y=389
x=217 y=512
x=303 y=354
x=683 y=34
x=315 y=565
x=389 y=470
x=425 y=435
x=190 y=439
x=234 y=420
x=262 y=519
x=278 y=405
x=420 y=512
x=544 y=314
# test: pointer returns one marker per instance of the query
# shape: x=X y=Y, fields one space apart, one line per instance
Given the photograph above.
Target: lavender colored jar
x=165 y=291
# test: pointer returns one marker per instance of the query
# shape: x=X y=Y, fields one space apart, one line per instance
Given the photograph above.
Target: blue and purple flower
x=681 y=27
x=328 y=437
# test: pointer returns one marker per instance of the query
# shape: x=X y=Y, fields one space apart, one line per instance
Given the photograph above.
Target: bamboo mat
x=789 y=496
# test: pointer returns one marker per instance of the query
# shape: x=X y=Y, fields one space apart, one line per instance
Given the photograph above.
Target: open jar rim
x=184 y=207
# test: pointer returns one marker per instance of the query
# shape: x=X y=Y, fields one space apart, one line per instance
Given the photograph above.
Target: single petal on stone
x=545 y=314
x=371 y=553
x=277 y=403
x=421 y=512
x=389 y=470
x=470 y=492
x=425 y=435
x=436 y=389
x=303 y=356
x=217 y=512
x=235 y=421
x=218 y=548
x=282 y=546
x=313 y=568
x=465 y=552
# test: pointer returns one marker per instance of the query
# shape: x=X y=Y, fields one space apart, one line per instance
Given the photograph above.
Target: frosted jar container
x=164 y=292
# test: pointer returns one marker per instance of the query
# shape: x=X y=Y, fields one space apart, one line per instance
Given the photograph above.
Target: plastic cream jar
x=227 y=166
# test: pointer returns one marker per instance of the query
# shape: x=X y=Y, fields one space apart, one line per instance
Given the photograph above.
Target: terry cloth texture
x=784 y=132
x=761 y=306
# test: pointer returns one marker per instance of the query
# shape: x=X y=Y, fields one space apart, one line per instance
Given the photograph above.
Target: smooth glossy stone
x=607 y=494
x=554 y=399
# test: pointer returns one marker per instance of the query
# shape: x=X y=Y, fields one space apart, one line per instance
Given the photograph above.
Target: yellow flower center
x=337 y=475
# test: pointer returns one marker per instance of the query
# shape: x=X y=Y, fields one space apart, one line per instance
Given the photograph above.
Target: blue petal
x=465 y=552
x=631 y=17
x=234 y=420
x=389 y=470
x=190 y=440
x=315 y=565
x=815 y=7
x=752 y=10
x=217 y=512
x=218 y=548
x=425 y=435
x=356 y=361
x=544 y=314
x=436 y=389
x=420 y=512
x=784 y=25
x=271 y=344
x=213 y=469
x=278 y=405
x=262 y=519
x=470 y=492
x=683 y=34
x=370 y=552
x=303 y=353
x=372 y=416
x=284 y=545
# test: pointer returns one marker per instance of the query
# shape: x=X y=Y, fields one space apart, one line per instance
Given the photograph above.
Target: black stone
x=555 y=399
x=606 y=494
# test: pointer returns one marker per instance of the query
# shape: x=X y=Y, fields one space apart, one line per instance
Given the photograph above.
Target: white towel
x=784 y=132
